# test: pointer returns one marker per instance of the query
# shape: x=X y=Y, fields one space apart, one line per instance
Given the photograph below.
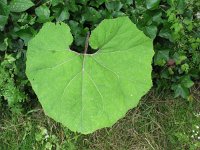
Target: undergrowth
x=172 y=24
x=160 y=123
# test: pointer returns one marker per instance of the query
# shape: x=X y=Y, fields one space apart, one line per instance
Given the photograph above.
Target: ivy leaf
x=152 y=4
x=4 y=44
x=161 y=57
x=97 y=3
x=166 y=33
x=91 y=14
x=61 y=13
x=4 y=12
x=3 y=21
x=20 y=5
x=56 y=2
x=187 y=82
x=181 y=6
x=180 y=90
x=151 y=31
x=86 y=92
x=26 y=34
x=43 y=13
x=113 y=5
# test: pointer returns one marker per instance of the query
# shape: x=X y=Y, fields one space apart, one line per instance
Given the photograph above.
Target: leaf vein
x=56 y=66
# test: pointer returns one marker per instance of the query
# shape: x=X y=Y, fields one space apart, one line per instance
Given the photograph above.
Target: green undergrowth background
x=160 y=122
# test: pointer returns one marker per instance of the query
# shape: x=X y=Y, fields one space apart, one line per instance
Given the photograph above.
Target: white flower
x=198 y=15
x=197 y=114
x=46 y=136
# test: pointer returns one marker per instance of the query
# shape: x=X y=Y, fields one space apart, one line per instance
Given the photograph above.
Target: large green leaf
x=87 y=92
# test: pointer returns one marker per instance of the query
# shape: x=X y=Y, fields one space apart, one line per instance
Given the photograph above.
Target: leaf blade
x=20 y=5
x=89 y=92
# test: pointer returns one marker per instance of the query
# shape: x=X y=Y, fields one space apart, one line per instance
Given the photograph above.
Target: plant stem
x=86 y=43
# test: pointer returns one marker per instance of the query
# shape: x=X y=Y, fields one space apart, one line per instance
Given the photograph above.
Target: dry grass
x=148 y=127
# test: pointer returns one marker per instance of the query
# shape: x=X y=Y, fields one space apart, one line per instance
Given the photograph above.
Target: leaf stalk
x=86 y=43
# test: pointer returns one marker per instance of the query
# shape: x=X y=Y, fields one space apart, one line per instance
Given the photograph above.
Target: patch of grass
x=160 y=122
x=34 y=131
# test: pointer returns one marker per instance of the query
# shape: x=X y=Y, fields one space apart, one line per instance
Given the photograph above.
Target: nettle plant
x=88 y=91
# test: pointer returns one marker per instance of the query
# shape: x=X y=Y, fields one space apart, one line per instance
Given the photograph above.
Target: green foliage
x=9 y=91
x=43 y=14
x=177 y=45
x=159 y=122
x=152 y=4
x=4 y=12
x=35 y=131
x=48 y=141
x=20 y=5
x=86 y=92
x=173 y=24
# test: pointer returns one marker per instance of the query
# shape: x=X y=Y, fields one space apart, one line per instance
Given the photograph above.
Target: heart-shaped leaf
x=86 y=92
